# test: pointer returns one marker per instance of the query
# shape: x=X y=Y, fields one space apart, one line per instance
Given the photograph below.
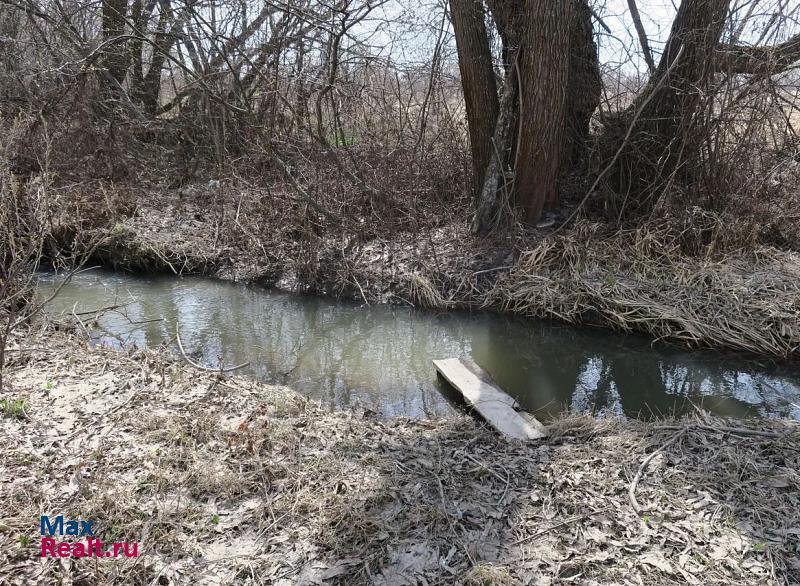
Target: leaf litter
x=224 y=480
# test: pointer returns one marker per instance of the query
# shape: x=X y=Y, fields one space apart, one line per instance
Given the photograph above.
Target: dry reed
x=643 y=281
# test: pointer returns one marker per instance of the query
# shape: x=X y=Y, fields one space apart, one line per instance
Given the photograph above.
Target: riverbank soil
x=693 y=277
x=223 y=480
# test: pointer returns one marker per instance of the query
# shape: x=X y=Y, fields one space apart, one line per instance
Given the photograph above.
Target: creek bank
x=641 y=280
x=224 y=479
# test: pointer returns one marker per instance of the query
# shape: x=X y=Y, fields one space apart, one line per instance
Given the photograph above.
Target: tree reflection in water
x=379 y=358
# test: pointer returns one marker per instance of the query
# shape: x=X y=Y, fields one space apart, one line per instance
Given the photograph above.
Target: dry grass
x=698 y=280
x=643 y=281
x=232 y=481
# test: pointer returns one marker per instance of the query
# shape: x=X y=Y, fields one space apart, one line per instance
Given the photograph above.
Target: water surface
x=379 y=357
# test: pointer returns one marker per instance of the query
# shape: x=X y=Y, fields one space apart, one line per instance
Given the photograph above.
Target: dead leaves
x=248 y=486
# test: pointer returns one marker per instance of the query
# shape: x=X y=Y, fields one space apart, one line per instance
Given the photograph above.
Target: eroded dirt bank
x=695 y=280
x=226 y=480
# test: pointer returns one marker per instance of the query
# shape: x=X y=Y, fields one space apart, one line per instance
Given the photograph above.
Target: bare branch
x=637 y=22
x=740 y=59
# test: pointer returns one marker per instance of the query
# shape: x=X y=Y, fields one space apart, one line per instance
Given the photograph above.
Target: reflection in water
x=380 y=357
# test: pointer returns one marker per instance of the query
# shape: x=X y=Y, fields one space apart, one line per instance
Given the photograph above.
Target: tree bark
x=478 y=81
x=665 y=138
x=113 y=16
x=493 y=199
x=543 y=99
x=585 y=86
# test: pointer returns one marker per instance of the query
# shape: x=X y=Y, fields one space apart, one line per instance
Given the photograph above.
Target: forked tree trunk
x=666 y=134
x=493 y=198
x=477 y=80
x=582 y=98
x=544 y=78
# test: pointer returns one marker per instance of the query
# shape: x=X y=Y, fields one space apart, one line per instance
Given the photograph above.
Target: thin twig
x=643 y=467
x=561 y=524
x=200 y=366
x=724 y=429
x=492 y=270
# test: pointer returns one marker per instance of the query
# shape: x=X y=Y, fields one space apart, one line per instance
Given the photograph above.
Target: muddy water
x=379 y=358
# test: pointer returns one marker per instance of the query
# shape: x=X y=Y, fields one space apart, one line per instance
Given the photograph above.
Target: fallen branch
x=643 y=467
x=723 y=429
x=561 y=524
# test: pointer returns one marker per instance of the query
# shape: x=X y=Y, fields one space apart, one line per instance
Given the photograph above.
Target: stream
x=379 y=357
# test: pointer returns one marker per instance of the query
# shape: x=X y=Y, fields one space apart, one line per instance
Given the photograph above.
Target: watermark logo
x=57 y=531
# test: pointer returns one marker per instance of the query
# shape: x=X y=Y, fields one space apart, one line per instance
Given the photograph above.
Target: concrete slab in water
x=496 y=407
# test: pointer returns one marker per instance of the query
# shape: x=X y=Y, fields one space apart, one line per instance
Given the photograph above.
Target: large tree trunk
x=478 y=81
x=585 y=86
x=582 y=98
x=666 y=134
x=113 y=15
x=544 y=78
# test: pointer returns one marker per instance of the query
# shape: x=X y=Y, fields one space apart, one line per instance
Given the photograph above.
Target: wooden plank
x=496 y=407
